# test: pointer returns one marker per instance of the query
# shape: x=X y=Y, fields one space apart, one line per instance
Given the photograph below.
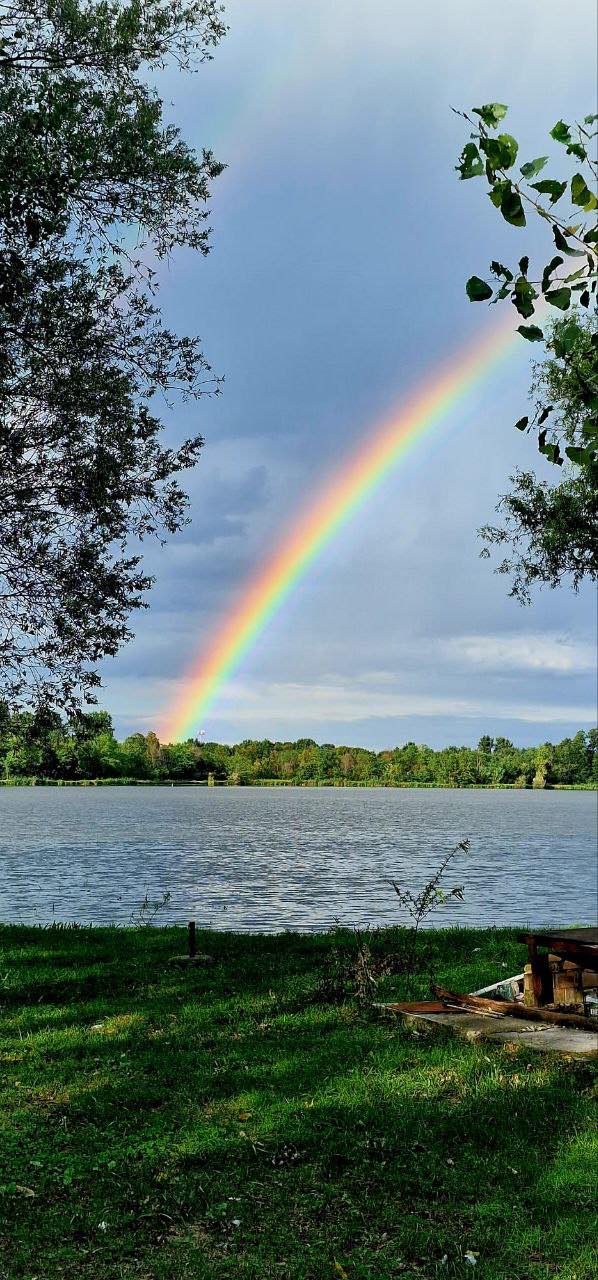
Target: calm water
x=268 y=858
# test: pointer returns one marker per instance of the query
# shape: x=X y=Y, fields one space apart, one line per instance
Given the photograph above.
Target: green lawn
x=248 y=1120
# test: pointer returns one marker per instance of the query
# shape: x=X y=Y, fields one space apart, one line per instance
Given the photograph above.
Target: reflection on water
x=291 y=858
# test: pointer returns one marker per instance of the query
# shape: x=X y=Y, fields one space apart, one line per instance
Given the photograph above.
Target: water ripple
x=266 y=859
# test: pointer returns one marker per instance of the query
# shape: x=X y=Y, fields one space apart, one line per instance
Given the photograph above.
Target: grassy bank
x=250 y=1120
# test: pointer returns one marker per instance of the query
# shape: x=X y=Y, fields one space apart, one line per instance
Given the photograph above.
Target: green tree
x=180 y=760
x=154 y=753
x=136 y=759
x=103 y=757
x=85 y=725
x=544 y=766
x=94 y=185
x=549 y=528
x=572 y=759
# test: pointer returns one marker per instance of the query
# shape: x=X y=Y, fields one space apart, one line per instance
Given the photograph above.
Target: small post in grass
x=193 y=956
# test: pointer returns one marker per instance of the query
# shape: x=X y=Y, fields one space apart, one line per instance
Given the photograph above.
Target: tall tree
x=93 y=185
x=550 y=529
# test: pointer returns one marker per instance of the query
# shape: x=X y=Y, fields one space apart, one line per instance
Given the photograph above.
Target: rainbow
x=349 y=487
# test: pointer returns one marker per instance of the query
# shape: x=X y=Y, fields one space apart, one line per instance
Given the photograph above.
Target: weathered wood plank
x=501 y=1008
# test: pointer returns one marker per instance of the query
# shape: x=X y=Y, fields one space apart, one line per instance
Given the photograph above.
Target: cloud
x=221 y=509
x=342 y=702
x=524 y=652
x=325 y=298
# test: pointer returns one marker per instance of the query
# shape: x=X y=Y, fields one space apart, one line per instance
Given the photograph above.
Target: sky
x=342 y=240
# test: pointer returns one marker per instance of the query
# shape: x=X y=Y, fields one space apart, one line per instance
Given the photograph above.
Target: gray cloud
x=342 y=241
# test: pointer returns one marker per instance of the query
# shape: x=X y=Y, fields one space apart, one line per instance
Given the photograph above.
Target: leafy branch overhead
x=573 y=225
x=551 y=531
x=575 y=233
x=559 y=283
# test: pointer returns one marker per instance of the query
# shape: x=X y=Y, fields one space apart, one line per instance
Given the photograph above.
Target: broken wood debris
x=513 y=1008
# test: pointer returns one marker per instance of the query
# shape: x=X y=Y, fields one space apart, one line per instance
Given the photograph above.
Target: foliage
x=94 y=185
x=208 y=1125
x=574 y=234
x=421 y=904
x=551 y=530
x=147 y=912
x=432 y=896
x=44 y=746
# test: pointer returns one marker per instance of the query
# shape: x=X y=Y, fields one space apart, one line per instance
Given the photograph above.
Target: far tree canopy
x=549 y=530
x=42 y=745
x=94 y=185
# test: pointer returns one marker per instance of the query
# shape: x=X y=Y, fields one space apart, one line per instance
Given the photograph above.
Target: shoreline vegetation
x=293 y=782
x=256 y=1117
x=43 y=749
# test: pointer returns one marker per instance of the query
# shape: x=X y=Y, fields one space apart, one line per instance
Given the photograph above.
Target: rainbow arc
x=382 y=448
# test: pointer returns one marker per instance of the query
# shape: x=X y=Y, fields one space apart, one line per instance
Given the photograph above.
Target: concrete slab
x=531 y=1035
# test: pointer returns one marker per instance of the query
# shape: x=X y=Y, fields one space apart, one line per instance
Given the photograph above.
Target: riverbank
x=250 y=1119
x=292 y=782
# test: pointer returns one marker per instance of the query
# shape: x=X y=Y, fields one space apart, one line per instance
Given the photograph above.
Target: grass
x=247 y=1120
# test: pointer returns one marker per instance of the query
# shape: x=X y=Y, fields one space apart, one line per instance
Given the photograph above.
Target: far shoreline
x=278 y=783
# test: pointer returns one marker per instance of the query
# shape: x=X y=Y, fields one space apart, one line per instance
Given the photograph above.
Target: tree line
x=84 y=747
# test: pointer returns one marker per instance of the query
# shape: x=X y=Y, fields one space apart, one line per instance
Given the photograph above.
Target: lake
x=268 y=858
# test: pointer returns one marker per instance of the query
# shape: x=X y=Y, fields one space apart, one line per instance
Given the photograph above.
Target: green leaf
x=524 y=265
x=523 y=422
x=591 y=236
x=552 y=452
x=575 y=454
x=544 y=414
x=580 y=193
x=548 y=271
x=470 y=163
x=501 y=152
x=590 y=428
x=533 y=167
x=549 y=187
x=533 y=334
x=512 y=208
x=561 y=244
x=523 y=297
x=498 y=270
x=560 y=298
x=584 y=298
x=491 y=113
x=590 y=119
x=497 y=192
x=477 y=290
x=577 y=149
x=561 y=132
x=566 y=338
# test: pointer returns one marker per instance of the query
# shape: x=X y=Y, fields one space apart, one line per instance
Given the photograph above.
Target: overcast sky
x=342 y=240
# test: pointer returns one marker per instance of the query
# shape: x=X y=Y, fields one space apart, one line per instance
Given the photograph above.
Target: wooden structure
x=562 y=963
x=549 y=1013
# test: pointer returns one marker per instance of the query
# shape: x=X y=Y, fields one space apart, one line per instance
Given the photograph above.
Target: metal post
x=192 y=949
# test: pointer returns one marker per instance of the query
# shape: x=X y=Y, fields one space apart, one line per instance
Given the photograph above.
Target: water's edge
x=274 y=783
